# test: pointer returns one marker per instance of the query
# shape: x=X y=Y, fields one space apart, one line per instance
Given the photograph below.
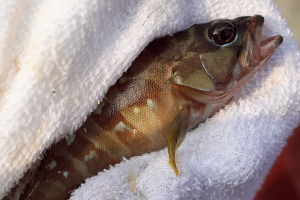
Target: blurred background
x=283 y=181
x=290 y=10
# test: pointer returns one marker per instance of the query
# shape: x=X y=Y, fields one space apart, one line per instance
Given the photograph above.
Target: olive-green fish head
x=226 y=54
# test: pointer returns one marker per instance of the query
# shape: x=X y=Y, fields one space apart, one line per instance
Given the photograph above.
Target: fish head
x=239 y=51
x=226 y=53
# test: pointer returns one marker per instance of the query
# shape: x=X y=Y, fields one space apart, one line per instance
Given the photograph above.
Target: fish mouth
x=268 y=46
x=255 y=51
x=258 y=51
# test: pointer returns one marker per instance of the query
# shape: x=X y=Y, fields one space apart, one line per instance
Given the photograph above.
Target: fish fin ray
x=177 y=133
x=202 y=96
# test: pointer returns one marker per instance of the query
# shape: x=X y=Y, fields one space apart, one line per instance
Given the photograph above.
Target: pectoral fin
x=177 y=133
x=202 y=96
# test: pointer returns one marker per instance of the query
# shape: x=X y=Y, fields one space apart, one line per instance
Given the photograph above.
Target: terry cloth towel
x=58 y=58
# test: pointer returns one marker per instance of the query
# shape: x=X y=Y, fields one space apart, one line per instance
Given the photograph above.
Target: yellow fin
x=177 y=133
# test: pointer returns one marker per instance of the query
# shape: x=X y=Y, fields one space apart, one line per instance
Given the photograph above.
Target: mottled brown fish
x=176 y=83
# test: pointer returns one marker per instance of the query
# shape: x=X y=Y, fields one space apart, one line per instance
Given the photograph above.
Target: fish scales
x=132 y=122
x=176 y=83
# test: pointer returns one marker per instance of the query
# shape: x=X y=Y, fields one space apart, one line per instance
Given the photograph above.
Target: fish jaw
x=256 y=52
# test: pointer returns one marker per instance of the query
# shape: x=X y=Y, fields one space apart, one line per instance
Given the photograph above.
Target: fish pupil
x=225 y=34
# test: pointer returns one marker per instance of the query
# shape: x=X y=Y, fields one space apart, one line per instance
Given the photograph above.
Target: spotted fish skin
x=176 y=83
x=133 y=119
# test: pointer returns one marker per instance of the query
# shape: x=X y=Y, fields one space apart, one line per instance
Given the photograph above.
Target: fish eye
x=222 y=32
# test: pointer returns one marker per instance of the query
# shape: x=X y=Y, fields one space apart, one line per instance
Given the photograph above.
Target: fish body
x=176 y=83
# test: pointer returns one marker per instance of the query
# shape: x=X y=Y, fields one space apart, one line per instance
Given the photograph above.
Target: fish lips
x=256 y=52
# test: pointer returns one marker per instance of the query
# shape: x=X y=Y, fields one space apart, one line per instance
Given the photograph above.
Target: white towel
x=58 y=58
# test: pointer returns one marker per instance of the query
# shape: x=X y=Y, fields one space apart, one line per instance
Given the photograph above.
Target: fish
x=176 y=83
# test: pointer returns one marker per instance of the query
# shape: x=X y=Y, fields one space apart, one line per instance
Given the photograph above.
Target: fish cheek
x=188 y=71
x=220 y=64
